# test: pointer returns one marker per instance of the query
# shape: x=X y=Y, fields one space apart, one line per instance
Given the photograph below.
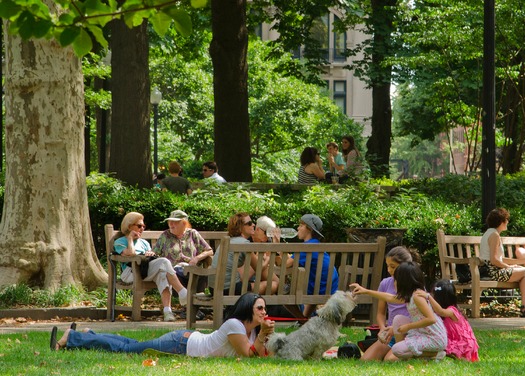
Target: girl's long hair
x=409 y=278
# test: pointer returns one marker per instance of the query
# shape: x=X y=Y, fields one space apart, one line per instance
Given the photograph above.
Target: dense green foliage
x=420 y=206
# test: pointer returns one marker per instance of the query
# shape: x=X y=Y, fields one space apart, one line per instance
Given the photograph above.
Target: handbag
x=144 y=266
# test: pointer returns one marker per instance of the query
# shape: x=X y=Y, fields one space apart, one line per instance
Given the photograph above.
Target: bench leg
x=112 y=293
x=476 y=297
x=136 y=309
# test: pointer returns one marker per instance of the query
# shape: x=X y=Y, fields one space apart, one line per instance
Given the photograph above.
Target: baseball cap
x=177 y=215
x=314 y=222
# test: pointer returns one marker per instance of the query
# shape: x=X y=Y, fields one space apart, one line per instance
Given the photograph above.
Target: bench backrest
x=355 y=262
x=456 y=249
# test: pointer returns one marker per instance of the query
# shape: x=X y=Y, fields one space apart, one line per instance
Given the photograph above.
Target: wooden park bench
x=139 y=286
x=456 y=250
x=355 y=262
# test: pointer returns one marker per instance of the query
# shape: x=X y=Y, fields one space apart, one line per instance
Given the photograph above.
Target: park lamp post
x=155 y=98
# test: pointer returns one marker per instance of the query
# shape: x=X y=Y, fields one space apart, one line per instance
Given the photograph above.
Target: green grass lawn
x=501 y=353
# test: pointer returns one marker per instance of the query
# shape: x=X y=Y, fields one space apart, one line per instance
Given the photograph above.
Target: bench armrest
x=198 y=270
x=136 y=259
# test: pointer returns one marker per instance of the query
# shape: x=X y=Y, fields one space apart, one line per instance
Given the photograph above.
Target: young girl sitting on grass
x=382 y=348
x=462 y=343
x=421 y=335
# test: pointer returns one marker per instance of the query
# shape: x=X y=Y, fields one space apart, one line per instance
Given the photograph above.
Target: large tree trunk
x=514 y=130
x=45 y=233
x=379 y=143
x=228 y=51
x=130 y=150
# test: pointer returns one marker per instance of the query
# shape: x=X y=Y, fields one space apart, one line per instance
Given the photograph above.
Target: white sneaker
x=169 y=316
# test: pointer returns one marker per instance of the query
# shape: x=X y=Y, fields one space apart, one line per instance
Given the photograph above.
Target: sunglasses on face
x=249 y=223
x=261 y=308
x=139 y=225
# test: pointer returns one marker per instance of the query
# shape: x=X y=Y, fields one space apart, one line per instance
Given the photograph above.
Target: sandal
x=53 y=342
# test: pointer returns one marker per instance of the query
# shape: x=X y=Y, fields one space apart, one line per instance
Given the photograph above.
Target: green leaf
x=199 y=3
x=41 y=28
x=66 y=19
x=9 y=9
x=182 y=20
x=161 y=23
x=82 y=44
x=98 y=33
x=68 y=35
x=25 y=24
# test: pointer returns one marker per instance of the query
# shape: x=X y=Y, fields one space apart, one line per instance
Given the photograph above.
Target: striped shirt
x=306 y=178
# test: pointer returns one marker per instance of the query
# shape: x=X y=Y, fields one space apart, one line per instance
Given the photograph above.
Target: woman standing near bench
x=491 y=252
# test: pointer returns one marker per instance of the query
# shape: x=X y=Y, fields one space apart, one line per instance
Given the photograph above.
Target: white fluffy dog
x=318 y=334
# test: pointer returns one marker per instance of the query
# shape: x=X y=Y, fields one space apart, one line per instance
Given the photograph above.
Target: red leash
x=273 y=318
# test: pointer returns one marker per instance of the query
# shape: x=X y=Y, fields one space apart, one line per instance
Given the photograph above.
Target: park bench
x=456 y=250
x=355 y=262
x=139 y=286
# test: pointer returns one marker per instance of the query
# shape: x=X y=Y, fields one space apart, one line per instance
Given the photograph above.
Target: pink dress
x=462 y=343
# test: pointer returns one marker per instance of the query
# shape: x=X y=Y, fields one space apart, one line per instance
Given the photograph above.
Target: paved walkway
x=11 y=326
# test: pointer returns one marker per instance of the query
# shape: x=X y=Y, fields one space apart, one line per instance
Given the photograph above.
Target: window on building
x=339 y=44
x=320 y=32
x=340 y=95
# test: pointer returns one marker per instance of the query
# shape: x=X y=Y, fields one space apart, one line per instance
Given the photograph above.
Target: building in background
x=347 y=91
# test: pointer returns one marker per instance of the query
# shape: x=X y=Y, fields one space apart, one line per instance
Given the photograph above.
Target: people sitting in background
x=311 y=170
x=128 y=242
x=492 y=254
x=182 y=245
x=352 y=157
x=211 y=171
x=336 y=164
x=244 y=333
x=240 y=228
x=159 y=178
x=176 y=183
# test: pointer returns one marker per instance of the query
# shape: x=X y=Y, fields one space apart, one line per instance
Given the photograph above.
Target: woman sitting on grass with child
x=421 y=335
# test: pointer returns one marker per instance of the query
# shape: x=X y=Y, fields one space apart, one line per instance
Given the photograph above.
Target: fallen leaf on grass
x=149 y=363
x=36 y=353
x=410 y=367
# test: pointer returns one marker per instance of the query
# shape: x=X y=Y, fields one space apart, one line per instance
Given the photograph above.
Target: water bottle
x=286 y=233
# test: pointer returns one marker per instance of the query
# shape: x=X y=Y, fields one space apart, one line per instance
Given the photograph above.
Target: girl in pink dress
x=462 y=343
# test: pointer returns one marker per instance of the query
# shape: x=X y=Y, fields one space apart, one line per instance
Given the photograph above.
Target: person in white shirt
x=211 y=171
x=244 y=333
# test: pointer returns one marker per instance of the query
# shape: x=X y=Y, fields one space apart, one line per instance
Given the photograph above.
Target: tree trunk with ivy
x=45 y=233
x=228 y=51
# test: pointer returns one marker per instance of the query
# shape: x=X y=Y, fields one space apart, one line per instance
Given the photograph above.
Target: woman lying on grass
x=243 y=333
